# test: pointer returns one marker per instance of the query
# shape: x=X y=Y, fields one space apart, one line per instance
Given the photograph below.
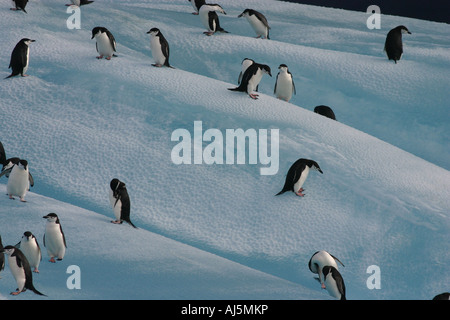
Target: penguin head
x=8 y=250
x=217 y=7
x=23 y=164
x=313 y=165
x=283 y=67
x=51 y=217
x=97 y=31
x=154 y=32
x=27 y=41
x=266 y=69
x=27 y=235
x=245 y=13
x=403 y=29
x=116 y=185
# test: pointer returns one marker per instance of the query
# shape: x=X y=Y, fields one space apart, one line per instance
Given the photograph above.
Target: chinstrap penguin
x=19 y=180
x=334 y=282
x=284 y=84
x=210 y=19
x=297 y=175
x=258 y=22
x=394 y=44
x=159 y=47
x=244 y=66
x=251 y=79
x=325 y=111
x=79 y=3
x=30 y=248
x=318 y=261
x=442 y=296
x=20 y=269
x=54 y=239
x=120 y=201
x=20 y=5
x=20 y=58
x=105 y=42
x=196 y=4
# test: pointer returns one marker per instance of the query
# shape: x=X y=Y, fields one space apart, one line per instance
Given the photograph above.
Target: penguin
x=258 y=22
x=20 y=58
x=244 y=65
x=120 y=201
x=297 y=175
x=20 y=269
x=159 y=47
x=54 y=239
x=394 y=45
x=210 y=19
x=284 y=84
x=106 y=44
x=6 y=163
x=19 y=180
x=196 y=4
x=325 y=111
x=2 y=257
x=79 y=3
x=30 y=248
x=334 y=282
x=319 y=260
x=442 y=296
x=251 y=78
x=20 y=5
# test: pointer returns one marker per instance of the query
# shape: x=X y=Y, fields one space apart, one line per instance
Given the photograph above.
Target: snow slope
x=217 y=231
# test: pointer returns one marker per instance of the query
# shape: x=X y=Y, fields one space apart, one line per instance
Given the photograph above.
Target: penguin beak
x=239 y=16
x=320 y=171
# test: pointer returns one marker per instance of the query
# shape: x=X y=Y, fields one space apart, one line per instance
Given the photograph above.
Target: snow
x=217 y=231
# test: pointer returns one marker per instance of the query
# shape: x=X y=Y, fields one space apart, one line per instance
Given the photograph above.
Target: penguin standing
x=334 y=282
x=30 y=248
x=79 y=3
x=19 y=180
x=284 y=84
x=258 y=22
x=297 y=175
x=105 y=42
x=54 y=239
x=20 y=5
x=159 y=47
x=251 y=79
x=120 y=201
x=210 y=19
x=318 y=261
x=197 y=4
x=20 y=269
x=325 y=111
x=394 y=44
x=20 y=58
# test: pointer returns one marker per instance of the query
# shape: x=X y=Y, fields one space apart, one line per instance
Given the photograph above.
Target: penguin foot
x=15 y=293
x=11 y=197
x=195 y=13
x=253 y=96
x=157 y=65
x=300 y=194
x=36 y=270
x=99 y=57
x=117 y=222
x=108 y=58
x=52 y=260
x=23 y=200
x=208 y=33
x=323 y=286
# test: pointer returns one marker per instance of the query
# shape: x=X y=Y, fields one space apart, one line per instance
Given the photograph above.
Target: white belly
x=25 y=68
x=285 y=88
x=18 y=183
x=302 y=179
x=331 y=287
x=321 y=259
x=254 y=81
x=18 y=273
x=54 y=242
x=31 y=252
x=157 y=54
x=104 y=45
x=258 y=26
x=204 y=17
x=117 y=207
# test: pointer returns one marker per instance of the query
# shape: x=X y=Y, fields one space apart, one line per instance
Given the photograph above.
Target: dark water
x=434 y=10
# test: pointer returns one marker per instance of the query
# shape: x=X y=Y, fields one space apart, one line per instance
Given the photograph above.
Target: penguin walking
x=284 y=84
x=394 y=44
x=105 y=42
x=30 y=248
x=120 y=201
x=251 y=79
x=210 y=19
x=334 y=282
x=19 y=180
x=54 y=239
x=79 y=3
x=196 y=4
x=20 y=269
x=325 y=111
x=20 y=5
x=20 y=58
x=159 y=47
x=258 y=22
x=297 y=175
x=318 y=261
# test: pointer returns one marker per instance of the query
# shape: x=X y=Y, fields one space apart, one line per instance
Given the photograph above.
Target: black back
x=18 y=58
x=325 y=111
x=394 y=44
x=294 y=173
x=120 y=193
x=21 y=4
x=248 y=74
x=337 y=277
x=213 y=17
